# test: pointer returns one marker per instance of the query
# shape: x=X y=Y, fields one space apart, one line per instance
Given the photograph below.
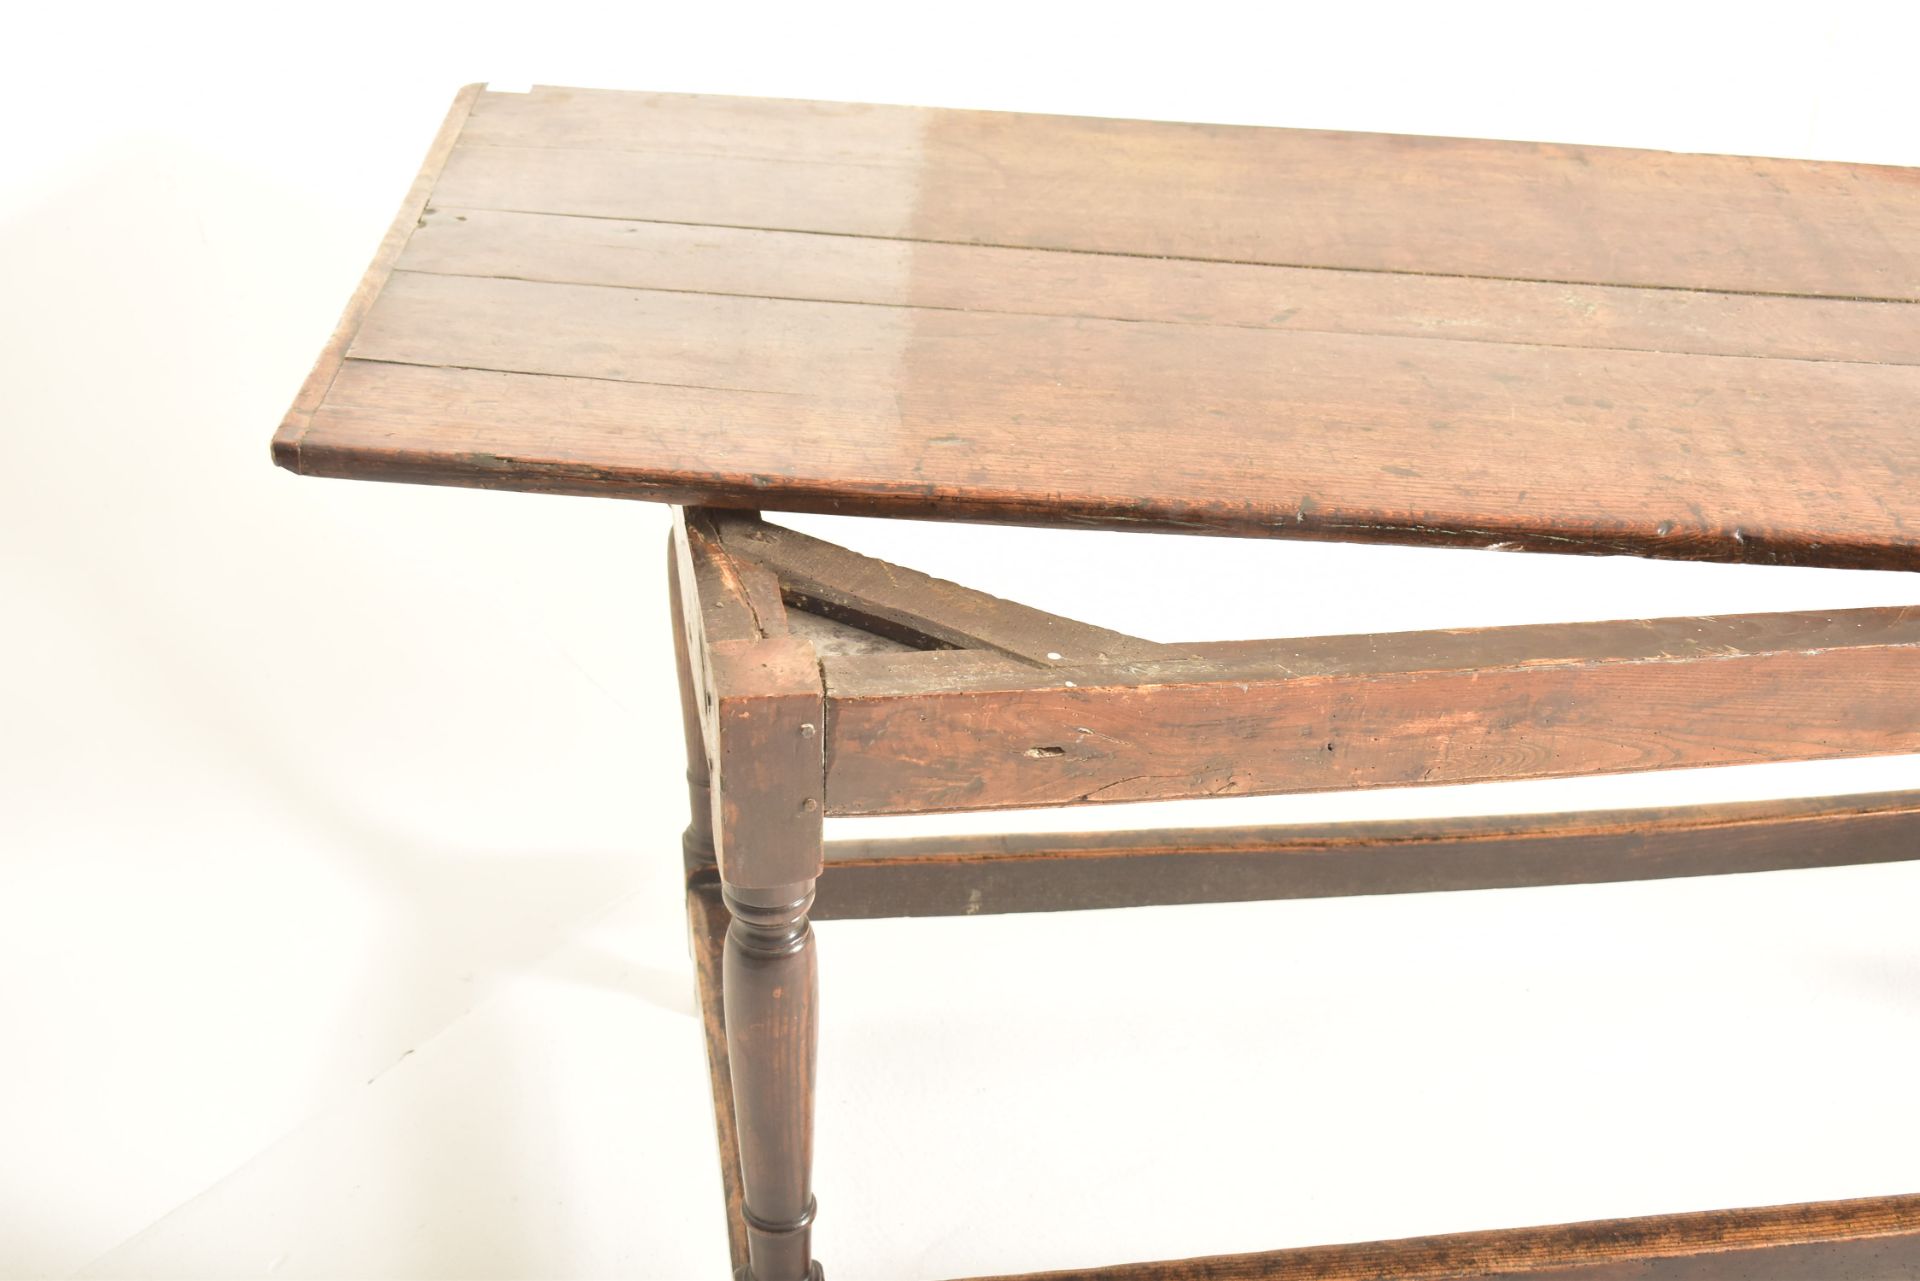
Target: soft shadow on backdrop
x=339 y=933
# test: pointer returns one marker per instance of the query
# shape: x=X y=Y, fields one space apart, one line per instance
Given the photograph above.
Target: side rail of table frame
x=928 y=697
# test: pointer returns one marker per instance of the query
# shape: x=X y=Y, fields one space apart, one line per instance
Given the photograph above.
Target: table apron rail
x=1872 y=1239
x=961 y=730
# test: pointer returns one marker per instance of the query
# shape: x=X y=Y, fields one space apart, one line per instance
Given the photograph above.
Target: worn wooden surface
x=928 y=612
x=752 y=703
x=1047 y=872
x=1872 y=1239
x=313 y=393
x=757 y=698
x=971 y=315
x=707 y=921
x=767 y=765
x=770 y=991
x=696 y=843
x=916 y=733
x=957 y=699
x=1371 y=201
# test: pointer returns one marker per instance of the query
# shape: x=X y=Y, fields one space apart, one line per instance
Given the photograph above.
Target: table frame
x=818 y=681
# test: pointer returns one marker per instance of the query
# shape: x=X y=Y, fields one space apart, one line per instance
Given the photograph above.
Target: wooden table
x=739 y=305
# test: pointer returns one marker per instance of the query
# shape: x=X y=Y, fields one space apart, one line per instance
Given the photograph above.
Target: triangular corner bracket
x=859 y=604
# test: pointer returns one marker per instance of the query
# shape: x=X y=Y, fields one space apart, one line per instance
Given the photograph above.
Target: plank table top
x=1048 y=320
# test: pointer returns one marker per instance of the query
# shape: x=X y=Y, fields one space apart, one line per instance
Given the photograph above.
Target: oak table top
x=969 y=315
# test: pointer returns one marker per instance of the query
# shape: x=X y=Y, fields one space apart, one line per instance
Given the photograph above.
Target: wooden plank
x=895 y=601
x=1367 y=654
x=689 y=665
x=1871 y=1239
x=894 y=411
x=1433 y=206
x=829 y=636
x=1132 y=325
x=754 y=686
x=717 y=602
x=286 y=441
x=1050 y=872
x=806 y=266
x=707 y=920
x=1419 y=708
x=743 y=594
x=723 y=601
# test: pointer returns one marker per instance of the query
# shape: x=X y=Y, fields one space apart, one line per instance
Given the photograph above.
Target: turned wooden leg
x=771 y=987
x=756 y=708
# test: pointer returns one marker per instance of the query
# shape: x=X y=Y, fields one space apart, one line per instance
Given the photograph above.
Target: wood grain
x=1036 y=419
x=707 y=922
x=963 y=315
x=758 y=695
x=770 y=988
x=768 y=733
x=930 y=732
x=696 y=843
x=1377 y=202
x=1872 y=1239
x=286 y=441
x=808 y=266
x=1049 y=872
x=892 y=600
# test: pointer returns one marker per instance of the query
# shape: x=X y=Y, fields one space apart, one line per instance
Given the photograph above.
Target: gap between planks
x=1044 y=314
x=1233 y=262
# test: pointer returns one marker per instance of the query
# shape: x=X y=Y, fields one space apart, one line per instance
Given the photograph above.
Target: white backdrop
x=339 y=929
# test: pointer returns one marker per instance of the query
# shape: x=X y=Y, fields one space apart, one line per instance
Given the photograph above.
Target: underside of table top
x=967 y=315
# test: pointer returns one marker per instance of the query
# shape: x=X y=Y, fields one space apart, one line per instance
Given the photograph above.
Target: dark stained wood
x=707 y=922
x=1048 y=872
x=1873 y=1239
x=936 y=729
x=927 y=732
x=893 y=411
x=314 y=391
x=771 y=993
x=740 y=601
x=756 y=693
x=1133 y=325
x=1402 y=653
x=832 y=636
x=715 y=602
x=894 y=601
x=768 y=731
x=1436 y=206
x=812 y=267
x=896 y=311
x=696 y=844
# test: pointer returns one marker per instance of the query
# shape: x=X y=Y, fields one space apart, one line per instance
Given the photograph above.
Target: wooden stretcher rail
x=970 y=875
x=906 y=605
x=927 y=696
x=707 y=930
x=1872 y=1239
x=931 y=732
